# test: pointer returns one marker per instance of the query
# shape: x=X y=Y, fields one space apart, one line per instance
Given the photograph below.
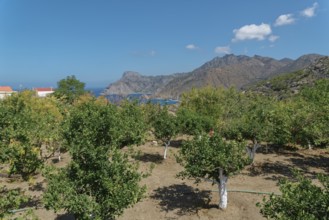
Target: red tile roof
x=6 y=89
x=43 y=89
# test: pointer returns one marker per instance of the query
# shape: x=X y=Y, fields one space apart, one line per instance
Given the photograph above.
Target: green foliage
x=280 y=123
x=27 y=123
x=191 y=123
x=255 y=120
x=165 y=125
x=252 y=121
x=98 y=123
x=132 y=123
x=91 y=123
x=28 y=215
x=314 y=104
x=219 y=104
x=203 y=156
x=299 y=200
x=69 y=89
x=99 y=183
x=223 y=109
x=10 y=199
x=301 y=119
x=206 y=101
x=281 y=86
x=150 y=113
x=318 y=94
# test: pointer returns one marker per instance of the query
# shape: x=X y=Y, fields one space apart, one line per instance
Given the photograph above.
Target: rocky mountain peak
x=220 y=62
x=320 y=67
x=130 y=74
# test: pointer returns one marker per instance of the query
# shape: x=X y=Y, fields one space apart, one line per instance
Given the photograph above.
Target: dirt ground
x=172 y=198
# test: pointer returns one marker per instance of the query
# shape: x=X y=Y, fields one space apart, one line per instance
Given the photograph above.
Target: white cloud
x=310 y=12
x=223 y=50
x=273 y=38
x=252 y=32
x=284 y=20
x=191 y=47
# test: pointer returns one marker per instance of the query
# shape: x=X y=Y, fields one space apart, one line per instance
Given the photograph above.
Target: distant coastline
x=139 y=97
x=95 y=91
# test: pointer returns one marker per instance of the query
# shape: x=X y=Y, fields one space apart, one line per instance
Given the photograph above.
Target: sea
x=95 y=91
x=139 y=97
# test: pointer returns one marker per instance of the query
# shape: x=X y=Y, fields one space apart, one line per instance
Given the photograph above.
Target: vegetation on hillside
x=289 y=84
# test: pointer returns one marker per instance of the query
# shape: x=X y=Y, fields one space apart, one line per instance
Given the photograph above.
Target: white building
x=5 y=91
x=43 y=92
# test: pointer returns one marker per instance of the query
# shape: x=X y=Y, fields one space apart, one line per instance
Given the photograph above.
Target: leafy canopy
x=27 y=123
x=100 y=181
x=132 y=123
x=164 y=124
x=203 y=156
x=10 y=199
x=192 y=123
x=69 y=89
x=299 y=200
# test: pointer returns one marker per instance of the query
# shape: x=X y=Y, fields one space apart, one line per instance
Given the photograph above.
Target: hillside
x=133 y=82
x=226 y=71
x=285 y=85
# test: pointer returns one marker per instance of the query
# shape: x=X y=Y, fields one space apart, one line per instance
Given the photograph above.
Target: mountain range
x=230 y=70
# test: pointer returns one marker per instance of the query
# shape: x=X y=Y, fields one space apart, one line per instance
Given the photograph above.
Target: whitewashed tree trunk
x=59 y=154
x=165 y=151
x=252 y=152
x=309 y=145
x=222 y=190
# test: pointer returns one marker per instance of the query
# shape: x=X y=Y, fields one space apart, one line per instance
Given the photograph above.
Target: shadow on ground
x=65 y=217
x=37 y=187
x=280 y=150
x=318 y=162
x=274 y=171
x=176 y=143
x=147 y=157
x=33 y=202
x=308 y=165
x=182 y=198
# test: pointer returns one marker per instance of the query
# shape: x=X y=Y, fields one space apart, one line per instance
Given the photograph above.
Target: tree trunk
x=59 y=154
x=309 y=145
x=222 y=190
x=252 y=152
x=166 y=148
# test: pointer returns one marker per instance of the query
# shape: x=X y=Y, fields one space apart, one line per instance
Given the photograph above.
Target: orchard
x=217 y=133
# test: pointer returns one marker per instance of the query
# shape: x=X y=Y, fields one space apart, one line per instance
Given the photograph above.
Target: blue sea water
x=140 y=98
x=95 y=91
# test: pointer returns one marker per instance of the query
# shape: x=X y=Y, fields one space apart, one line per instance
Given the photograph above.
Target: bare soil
x=169 y=197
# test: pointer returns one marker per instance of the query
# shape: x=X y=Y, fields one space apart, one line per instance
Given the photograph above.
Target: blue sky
x=43 y=41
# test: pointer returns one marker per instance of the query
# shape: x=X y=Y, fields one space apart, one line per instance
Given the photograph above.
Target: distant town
x=41 y=92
